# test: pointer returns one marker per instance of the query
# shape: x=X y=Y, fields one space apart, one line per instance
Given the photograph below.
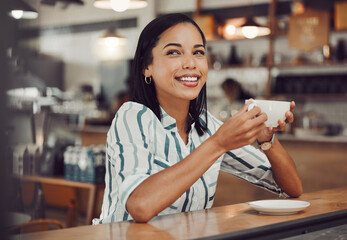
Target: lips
x=189 y=80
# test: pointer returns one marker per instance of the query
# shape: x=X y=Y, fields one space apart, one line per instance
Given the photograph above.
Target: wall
x=77 y=50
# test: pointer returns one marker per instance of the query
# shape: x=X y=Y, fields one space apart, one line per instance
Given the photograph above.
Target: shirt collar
x=168 y=122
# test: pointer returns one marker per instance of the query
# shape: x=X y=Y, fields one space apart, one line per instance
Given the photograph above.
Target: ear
x=147 y=72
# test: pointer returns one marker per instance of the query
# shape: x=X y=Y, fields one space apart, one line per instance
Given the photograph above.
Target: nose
x=189 y=62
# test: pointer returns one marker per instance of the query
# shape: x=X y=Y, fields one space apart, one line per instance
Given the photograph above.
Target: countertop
x=239 y=221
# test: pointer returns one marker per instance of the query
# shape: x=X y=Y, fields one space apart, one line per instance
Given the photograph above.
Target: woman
x=234 y=91
x=165 y=150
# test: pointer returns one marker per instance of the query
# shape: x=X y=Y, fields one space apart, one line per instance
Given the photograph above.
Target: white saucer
x=279 y=207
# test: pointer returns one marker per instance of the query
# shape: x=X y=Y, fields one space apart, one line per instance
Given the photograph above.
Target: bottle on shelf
x=340 y=50
x=233 y=56
x=327 y=52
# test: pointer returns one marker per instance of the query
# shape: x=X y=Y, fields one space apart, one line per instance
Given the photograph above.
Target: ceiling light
x=229 y=29
x=133 y=4
x=120 y=5
x=111 y=46
x=111 y=34
x=22 y=10
x=250 y=29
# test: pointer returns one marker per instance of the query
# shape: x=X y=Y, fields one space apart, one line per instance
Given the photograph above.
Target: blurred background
x=66 y=71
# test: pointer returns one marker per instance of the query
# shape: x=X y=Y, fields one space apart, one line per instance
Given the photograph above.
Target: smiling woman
x=165 y=150
x=170 y=49
x=179 y=67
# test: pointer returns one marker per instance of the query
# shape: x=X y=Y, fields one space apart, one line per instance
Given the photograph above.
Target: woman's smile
x=189 y=80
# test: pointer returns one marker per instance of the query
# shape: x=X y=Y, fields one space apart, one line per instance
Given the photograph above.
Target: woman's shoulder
x=132 y=123
x=131 y=111
x=133 y=107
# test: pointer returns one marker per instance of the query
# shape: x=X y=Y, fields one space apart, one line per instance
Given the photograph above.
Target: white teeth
x=190 y=79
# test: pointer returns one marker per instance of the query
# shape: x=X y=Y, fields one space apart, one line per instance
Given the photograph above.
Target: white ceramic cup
x=275 y=110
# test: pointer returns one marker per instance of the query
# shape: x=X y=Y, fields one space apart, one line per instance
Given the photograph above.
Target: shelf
x=313 y=138
x=305 y=66
x=218 y=39
x=279 y=34
x=95 y=129
x=316 y=97
x=239 y=66
x=284 y=34
x=313 y=64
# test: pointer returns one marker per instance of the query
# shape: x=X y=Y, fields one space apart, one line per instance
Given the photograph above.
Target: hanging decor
x=340 y=16
x=309 y=31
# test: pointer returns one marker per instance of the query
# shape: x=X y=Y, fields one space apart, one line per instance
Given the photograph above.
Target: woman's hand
x=241 y=129
x=267 y=133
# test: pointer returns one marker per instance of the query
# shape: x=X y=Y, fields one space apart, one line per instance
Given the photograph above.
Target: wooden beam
x=270 y=56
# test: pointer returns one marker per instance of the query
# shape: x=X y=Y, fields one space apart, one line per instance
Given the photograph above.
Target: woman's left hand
x=267 y=133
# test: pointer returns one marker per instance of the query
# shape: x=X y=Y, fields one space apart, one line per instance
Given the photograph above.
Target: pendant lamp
x=111 y=46
x=120 y=5
x=21 y=10
x=250 y=29
x=113 y=36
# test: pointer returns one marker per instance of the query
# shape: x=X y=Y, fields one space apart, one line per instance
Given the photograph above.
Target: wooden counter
x=230 y=221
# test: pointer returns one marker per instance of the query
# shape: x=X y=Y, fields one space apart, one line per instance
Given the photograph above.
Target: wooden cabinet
x=265 y=57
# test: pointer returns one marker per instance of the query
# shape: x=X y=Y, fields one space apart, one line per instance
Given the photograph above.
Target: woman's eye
x=199 y=52
x=173 y=52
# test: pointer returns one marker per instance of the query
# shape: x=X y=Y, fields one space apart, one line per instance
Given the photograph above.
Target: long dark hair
x=145 y=93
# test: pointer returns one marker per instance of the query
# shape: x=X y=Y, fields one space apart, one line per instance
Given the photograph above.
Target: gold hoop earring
x=148 y=80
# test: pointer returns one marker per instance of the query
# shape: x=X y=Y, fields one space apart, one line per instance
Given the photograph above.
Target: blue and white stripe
x=139 y=145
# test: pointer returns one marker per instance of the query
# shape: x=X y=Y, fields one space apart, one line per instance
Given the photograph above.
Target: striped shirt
x=139 y=145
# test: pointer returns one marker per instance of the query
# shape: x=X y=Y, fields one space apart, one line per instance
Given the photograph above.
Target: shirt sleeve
x=247 y=163
x=252 y=165
x=128 y=151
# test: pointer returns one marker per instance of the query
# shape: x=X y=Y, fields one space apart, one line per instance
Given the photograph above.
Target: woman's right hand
x=241 y=129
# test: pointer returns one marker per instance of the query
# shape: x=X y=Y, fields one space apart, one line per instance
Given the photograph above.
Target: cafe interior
x=68 y=72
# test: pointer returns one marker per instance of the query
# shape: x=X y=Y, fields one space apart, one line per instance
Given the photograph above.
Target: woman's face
x=179 y=68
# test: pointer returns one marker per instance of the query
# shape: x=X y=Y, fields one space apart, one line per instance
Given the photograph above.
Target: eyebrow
x=180 y=45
